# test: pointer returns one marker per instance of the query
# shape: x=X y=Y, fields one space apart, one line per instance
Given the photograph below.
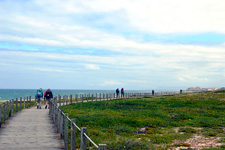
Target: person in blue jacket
x=39 y=96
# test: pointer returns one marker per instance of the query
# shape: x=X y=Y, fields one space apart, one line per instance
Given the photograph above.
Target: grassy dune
x=150 y=122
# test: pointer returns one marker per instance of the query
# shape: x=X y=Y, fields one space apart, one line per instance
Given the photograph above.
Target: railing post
x=0 y=115
x=50 y=107
x=66 y=132
x=61 y=124
x=12 y=107
x=7 y=108
x=82 y=98
x=35 y=100
x=100 y=96
x=72 y=140
x=96 y=96
x=3 y=117
x=59 y=101
x=24 y=102
x=58 y=119
x=92 y=97
x=63 y=99
x=71 y=99
x=55 y=112
x=83 y=140
x=16 y=104
x=27 y=101
x=21 y=103
x=102 y=147
x=76 y=98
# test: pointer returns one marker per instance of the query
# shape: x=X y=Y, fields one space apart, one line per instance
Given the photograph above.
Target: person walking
x=39 y=96
x=48 y=96
x=122 y=92
x=117 y=93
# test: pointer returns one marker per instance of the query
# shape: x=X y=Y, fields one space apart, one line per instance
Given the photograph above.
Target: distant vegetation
x=150 y=122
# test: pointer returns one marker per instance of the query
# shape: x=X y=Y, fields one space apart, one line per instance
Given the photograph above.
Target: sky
x=102 y=44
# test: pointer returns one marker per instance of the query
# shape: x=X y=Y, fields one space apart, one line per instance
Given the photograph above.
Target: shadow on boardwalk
x=30 y=129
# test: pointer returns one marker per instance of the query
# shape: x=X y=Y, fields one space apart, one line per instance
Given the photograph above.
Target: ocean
x=8 y=94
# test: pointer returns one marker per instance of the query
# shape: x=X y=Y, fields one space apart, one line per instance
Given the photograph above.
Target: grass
x=149 y=122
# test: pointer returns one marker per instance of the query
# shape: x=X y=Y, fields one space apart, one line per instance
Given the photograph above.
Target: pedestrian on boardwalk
x=48 y=96
x=122 y=92
x=117 y=92
x=39 y=96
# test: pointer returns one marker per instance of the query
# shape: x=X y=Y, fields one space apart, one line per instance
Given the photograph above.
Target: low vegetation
x=150 y=122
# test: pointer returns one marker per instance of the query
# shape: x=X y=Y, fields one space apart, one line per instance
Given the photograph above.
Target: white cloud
x=92 y=66
x=111 y=82
x=190 y=78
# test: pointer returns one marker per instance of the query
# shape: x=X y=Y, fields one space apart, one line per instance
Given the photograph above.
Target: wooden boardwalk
x=30 y=129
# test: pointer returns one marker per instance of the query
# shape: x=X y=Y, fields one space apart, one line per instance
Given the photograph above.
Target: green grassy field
x=150 y=122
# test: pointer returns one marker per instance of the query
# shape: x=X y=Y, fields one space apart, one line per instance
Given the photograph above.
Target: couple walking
x=47 y=97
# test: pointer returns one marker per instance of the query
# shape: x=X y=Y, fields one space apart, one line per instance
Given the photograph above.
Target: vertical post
x=66 y=132
x=76 y=98
x=72 y=140
x=103 y=96
x=0 y=115
x=180 y=91
x=71 y=99
x=3 y=117
x=102 y=147
x=107 y=95
x=16 y=104
x=58 y=119
x=92 y=97
x=83 y=140
x=61 y=124
x=56 y=113
x=63 y=99
x=21 y=103
x=12 y=106
x=86 y=97
x=35 y=100
x=82 y=98
x=7 y=108
x=24 y=102
x=27 y=101
x=100 y=96
x=96 y=96
x=59 y=101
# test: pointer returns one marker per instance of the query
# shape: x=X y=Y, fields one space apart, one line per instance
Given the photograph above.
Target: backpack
x=48 y=94
x=39 y=94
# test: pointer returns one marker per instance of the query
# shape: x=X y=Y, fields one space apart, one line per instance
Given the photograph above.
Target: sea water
x=8 y=94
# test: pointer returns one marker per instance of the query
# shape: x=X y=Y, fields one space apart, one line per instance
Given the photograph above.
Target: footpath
x=30 y=129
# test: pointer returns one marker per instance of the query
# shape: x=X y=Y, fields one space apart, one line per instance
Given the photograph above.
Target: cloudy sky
x=108 y=44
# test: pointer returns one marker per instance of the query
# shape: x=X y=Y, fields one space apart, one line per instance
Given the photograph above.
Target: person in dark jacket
x=48 y=96
x=117 y=92
x=122 y=92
